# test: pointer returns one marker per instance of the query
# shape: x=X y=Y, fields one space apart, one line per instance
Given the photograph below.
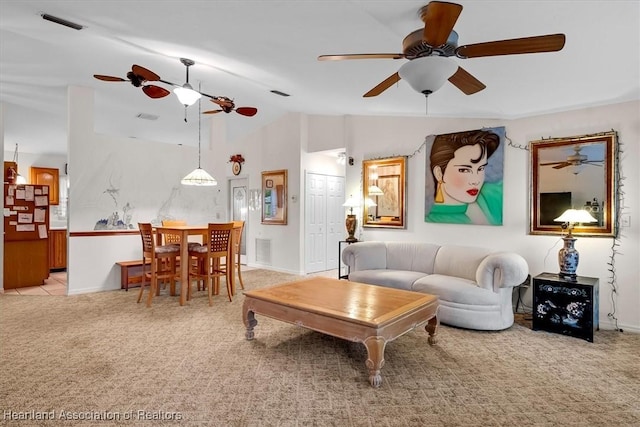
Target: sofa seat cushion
x=455 y=289
x=398 y=279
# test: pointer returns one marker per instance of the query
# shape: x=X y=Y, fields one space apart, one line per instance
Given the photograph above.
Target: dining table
x=184 y=231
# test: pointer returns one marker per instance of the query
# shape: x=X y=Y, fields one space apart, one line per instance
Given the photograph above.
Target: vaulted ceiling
x=245 y=49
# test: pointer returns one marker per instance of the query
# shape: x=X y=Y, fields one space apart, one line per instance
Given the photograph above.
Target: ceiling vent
x=61 y=21
x=145 y=116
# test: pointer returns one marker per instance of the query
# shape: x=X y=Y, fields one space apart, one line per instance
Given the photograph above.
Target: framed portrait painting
x=464 y=174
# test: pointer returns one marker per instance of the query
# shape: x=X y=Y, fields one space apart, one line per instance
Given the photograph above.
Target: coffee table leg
x=375 y=359
x=250 y=322
x=432 y=329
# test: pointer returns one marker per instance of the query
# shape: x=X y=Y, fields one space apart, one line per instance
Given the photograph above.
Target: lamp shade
x=369 y=202
x=374 y=190
x=573 y=216
x=428 y=74
x=199 y=177
x=351 y=202
x=186 y=95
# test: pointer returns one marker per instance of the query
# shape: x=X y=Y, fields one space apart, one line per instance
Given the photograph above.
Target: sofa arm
x=365 y=256
x=502 y=270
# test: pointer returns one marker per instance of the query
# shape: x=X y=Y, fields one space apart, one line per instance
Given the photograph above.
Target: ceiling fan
x=428 y=50
x=575 y=159
x=139 y=76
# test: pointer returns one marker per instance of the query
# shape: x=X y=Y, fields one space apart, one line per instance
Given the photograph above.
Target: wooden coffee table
x=372 y=315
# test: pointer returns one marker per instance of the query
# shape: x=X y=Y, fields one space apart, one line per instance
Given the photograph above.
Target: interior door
x=324 y=221
x=315 y=223
x=239 y=209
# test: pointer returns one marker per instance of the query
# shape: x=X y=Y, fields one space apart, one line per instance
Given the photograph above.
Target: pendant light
x=199 y=176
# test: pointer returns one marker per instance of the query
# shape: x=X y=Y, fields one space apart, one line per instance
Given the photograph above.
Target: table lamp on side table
x=351 y=221
x=568 y=256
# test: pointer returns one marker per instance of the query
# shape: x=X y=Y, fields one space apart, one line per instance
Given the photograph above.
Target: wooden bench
x=128 y=275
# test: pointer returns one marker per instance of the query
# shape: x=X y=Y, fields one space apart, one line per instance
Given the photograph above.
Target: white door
x=238 y=210
x=324 y=221
x=315 y=223
x=335 y=219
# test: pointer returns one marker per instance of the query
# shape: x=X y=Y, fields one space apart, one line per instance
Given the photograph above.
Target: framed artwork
x=464 y=177
x=384 y=186
x=387 y=203
x=274 y=197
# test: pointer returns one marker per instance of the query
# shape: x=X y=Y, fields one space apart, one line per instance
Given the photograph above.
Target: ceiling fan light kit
x=428 y=74
x=186 y=95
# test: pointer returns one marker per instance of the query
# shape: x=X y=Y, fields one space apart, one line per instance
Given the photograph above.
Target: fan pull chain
x=185 y=114
x=426 y=105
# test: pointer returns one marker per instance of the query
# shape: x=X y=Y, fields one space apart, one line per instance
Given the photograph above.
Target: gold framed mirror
x=575 y=172
x=384 y=188
x=274 y=197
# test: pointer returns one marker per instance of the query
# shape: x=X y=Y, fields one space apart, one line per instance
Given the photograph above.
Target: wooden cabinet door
x=57 y=249
x=50 y=177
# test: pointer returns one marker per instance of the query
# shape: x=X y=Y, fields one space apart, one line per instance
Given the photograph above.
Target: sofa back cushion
x=459 y=261
x=411 y=256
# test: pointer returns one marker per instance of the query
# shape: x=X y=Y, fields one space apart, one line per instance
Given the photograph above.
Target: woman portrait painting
x=464 y=178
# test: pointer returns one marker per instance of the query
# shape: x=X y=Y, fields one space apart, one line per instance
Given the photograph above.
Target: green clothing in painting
x=489 y=201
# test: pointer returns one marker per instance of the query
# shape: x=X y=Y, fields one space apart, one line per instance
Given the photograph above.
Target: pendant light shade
x=199 y=176
x=186 y=95
x=428 y=74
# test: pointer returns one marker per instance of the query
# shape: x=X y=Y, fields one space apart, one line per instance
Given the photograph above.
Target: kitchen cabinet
x=50 y=177
x=57 y=250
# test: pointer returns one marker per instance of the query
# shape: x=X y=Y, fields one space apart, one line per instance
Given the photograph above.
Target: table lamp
x=351 y=221
x=568 y=256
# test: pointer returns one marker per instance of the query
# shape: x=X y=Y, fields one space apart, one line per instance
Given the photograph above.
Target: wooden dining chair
x=217 y=248
x=162 y=262
x=238 y=228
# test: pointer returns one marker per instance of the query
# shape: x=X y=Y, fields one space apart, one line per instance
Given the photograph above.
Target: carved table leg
x=432 y=329
x=250 y=322
x=375 y=359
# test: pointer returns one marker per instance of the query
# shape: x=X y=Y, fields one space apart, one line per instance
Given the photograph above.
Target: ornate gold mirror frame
x=384 y=184
x=575 y=172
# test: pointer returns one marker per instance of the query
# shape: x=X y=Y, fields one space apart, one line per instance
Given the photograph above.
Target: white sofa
x=475 y=285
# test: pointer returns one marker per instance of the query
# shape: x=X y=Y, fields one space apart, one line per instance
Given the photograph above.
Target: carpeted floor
x=109 y=361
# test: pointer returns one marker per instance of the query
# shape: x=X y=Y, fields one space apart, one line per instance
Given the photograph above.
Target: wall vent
x=263 y=251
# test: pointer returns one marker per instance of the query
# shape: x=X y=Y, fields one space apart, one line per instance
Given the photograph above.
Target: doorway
x=324 y=221
x=238 y=209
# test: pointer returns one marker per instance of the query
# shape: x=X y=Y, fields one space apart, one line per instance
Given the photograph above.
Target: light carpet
x=106 y=360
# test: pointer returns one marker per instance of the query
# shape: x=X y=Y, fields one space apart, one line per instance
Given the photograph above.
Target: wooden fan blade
x=361 y=56
x=552 y=163
x=536 y=44
x=384 y=85
x=144 y=73
x=212 y=112
x=155 y=92
x=247 y=111
x=562 y=165
x=466 y=82
x=439 y=19
x=109 y=78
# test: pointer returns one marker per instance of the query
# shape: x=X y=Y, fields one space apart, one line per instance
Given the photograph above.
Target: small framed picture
x=269 y=183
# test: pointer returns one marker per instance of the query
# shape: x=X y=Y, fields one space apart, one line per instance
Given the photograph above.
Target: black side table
x=341 y=267
x=568 y=307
